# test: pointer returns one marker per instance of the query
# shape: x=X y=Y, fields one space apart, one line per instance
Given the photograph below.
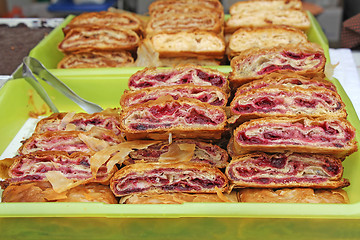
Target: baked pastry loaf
x=207 y=94
x=123 y=20
x=293 y=195
x=304 y=59
x=108 y=119
x=263 y=170
x=177 y=198
x=91 y=141
x=97 y=60
x=168 y=178
x=263 y=37
x=320 y=135
x=183 y=118
x=288 y=80
x=189 y=44
x=171 y=23
x=187 y=74
x=203 y=152
x=43 y=192
x=75 y=166
x=95 y=38
x=253 y=5
x=268 y=17
x=160 y=4
x=284 y=101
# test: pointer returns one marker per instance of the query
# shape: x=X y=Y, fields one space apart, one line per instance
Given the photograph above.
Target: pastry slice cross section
x=168 y=178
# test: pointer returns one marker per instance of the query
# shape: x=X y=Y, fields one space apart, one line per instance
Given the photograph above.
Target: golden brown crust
x=210 y=94
x=177 y=198
x=319 y=135
x=293 y=195
x=183 y=118
x=97 y=60
x=184 y=177
x=43 y=192
x=95 y=38
x=277 y=170
x=304 y=59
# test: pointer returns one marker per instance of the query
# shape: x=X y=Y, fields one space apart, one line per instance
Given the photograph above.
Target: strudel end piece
x=183 y=118
x=168 y=178
x=319 y=135
x=277 y=170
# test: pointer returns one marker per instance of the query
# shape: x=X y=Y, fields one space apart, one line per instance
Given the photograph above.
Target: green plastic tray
x=185 y=221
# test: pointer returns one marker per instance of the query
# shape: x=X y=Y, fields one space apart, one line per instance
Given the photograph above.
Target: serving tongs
x=31 y=67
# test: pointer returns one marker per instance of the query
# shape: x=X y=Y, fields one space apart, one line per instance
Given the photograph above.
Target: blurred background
x=329 y=13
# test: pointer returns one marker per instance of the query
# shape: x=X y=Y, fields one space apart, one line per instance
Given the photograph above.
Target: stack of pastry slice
x=101 y=39
x=183 y=32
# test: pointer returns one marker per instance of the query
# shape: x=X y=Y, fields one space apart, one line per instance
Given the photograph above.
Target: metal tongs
x=31 y=67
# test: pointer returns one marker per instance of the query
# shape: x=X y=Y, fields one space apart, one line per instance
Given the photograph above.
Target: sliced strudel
x=263 y=37
x=187 y=74
x=94 y=38
x=91 y=141
x=97 y=60
x=184 y=22
x=263 y=170
x=112 y=19
x=76 y=166
x=198 y=43
x=303 y=59
x=168 y=178
x=207 y=94
x=284 y=101
x=183 y=118
x=108 y=119
x=288 y=80
x=319 y=135
x=201 y=152
x=43 y=192
x=253 y=5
